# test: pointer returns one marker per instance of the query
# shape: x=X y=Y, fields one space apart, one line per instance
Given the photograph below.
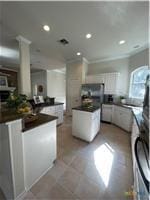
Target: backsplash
x=133 y=101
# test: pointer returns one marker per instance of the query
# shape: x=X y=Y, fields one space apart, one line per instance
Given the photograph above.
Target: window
x=137 y=84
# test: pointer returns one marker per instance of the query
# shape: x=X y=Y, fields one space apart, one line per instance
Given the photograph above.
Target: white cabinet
x=107 y=112
x=110 y=81
x=122 y=117
x=118 y=115
x=95 y=78
x=85 y=125
x=39 y=151
x=56 y=110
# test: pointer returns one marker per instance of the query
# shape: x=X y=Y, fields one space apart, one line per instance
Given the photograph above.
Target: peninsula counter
x=26 y=152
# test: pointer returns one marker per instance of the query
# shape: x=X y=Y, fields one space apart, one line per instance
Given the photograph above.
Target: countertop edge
x=16 y=116
x=84 y=110
x=37 y=123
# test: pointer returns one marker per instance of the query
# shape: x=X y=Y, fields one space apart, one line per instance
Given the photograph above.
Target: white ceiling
x=109 y=22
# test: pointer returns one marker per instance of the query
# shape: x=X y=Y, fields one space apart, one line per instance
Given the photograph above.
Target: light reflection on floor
x=103 y=157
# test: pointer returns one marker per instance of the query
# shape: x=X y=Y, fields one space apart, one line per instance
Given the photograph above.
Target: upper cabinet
x=110 y=81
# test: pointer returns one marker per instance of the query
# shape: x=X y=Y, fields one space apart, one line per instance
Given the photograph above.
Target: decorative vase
x=123 y=101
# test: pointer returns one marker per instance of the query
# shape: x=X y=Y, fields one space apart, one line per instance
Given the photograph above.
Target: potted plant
x=19 y=103
x=122 y=99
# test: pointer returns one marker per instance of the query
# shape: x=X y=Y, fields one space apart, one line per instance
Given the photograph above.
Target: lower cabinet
x=85 y=125
x=117 y=115
x=56 y=110
x=107 y=113
x=59 y=114
x=122 y=117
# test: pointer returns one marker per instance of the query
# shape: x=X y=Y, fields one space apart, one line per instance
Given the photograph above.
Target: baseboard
x=21 y=196
x=24 y=193
x=28 y=188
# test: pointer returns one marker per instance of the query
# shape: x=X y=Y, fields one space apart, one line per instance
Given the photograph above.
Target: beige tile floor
x=98 y=170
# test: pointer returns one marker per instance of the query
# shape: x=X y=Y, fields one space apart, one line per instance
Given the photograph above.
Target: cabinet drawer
x=122 y=109
x=107 y=106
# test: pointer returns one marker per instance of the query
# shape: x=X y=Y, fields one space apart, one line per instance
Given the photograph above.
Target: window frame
x=131 y=82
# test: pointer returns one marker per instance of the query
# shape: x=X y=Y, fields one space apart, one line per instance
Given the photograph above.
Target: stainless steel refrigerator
x=95 y=92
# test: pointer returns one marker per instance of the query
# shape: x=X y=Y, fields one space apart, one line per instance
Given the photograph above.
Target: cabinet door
x=122 y=117
x=107 y=113
x=116 y=117
x=95 y=79
x=59 y=114
x=111 y=80
x=125 y=121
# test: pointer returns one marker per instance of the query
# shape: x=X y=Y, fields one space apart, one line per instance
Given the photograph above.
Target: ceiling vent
x=63 y=41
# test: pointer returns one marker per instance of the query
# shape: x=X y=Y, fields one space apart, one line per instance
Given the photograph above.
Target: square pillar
x=25 y=73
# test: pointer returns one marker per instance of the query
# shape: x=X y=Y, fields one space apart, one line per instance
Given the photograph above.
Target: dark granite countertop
x=129 y=106
x=91 y=109
x=47 y=104
x=9 y=115
x=42 y=119
x=42 y=105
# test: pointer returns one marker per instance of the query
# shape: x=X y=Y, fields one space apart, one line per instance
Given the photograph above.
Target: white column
x=25 y=74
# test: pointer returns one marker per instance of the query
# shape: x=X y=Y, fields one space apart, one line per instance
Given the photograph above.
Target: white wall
x=124 y=66
x=138 y=60
x=56 y=86
x=75 y=77
x=39 y=78
x=119 y=65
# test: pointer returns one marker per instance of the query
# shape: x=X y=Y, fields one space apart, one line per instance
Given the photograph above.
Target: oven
x=141 y=169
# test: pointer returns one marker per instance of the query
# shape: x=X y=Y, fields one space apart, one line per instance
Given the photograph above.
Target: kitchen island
x=85 y=122
x=27 y=151
x=55 y=109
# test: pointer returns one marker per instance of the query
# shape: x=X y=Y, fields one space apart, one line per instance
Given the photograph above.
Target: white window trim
x=131 y=79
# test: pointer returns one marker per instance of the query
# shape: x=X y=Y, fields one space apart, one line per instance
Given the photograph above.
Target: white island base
x=85 y=123
x=25 y=155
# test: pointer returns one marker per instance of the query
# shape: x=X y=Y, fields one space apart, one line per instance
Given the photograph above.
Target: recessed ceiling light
x=78 y=53
x=122 y=41
x=46 y=27
x=89 y=35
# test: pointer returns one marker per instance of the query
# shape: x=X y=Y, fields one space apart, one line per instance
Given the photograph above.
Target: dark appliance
x=142 y=169
x=108 y=98
x=4 y=94
x=49 y=100
x=145 y=113
x=141 y=149
x=93 y=93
